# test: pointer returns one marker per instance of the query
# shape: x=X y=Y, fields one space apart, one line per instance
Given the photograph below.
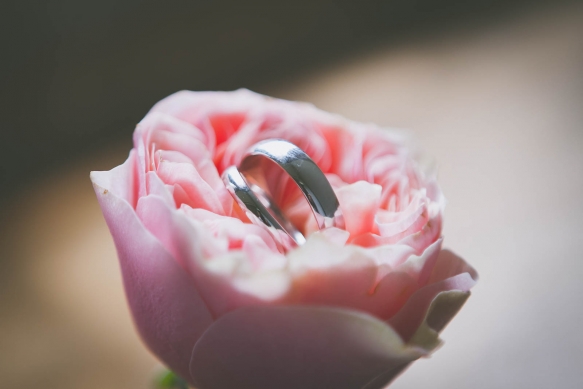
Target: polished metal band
x=269 y=214
x=248 y=184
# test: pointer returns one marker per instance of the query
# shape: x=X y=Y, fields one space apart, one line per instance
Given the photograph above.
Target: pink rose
x=225 y=306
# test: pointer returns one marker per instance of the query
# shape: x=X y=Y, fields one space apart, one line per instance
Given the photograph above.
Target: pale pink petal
x=190 y=147
x=231 y=229
x=420 y=267
x=421 y=239
x=298 y=347
x=217 y=271
x=167 y=308
x=327 y=274
x=448 y=265
x=155 y=186
x=400 y=224
x=391 y=255
x=239 y=142
x=389 y=295
x=331 y=275
x=183 y=239
x=410 y=317
x=199 y=192
x=359 y=203
x=336 y=235
x=171 y=156
x=346 y=153
x=159 y=121
x=121 y=180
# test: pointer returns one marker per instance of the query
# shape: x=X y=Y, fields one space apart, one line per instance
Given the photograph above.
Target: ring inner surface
x=274 y=173
x=273 y=209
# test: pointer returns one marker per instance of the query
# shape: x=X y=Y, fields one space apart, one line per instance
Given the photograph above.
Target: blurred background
x=493 y=90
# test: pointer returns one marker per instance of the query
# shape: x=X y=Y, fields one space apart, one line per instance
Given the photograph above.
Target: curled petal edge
x=442 y=309
x=427 y=301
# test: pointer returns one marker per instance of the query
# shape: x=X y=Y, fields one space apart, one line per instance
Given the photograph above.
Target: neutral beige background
x=500 y=109
x=502 y=112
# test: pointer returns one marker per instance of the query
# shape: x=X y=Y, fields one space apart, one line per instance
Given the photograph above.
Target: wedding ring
x=249 y=185
x=258 y=205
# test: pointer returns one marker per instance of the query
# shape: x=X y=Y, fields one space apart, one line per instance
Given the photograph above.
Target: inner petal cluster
x=382 y=194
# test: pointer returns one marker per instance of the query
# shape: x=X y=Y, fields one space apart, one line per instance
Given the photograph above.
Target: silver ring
x=249 y=187
x=258 y=211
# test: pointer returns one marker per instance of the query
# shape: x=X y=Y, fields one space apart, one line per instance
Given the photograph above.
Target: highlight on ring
x=249 y=185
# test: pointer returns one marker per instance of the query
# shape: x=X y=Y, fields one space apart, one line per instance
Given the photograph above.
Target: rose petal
x=160 y=127
x=327 y=274
x=199 y=192
x=397 y=225
x=442 y=309
x=221 y=275
x=420 y=267
x=359 y=203
x=121 y=180
x=448 y=265
x=166 y=306
x=233 y=230
x=155 y=186
x=346 y=150
x=410 y=317
x=297 y=347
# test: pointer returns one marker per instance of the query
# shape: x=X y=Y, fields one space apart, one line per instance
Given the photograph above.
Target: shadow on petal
x=436 y=303
x=443 y=308
x=298 y=347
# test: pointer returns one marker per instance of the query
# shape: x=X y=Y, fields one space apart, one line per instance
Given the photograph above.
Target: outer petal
x=167 y=309
x=442 y=309
x=413 y=313
x=298 y=347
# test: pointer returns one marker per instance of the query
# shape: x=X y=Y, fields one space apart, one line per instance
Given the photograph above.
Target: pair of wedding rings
x=268 y=164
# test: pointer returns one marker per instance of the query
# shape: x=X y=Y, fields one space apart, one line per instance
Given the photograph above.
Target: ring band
x=246 y=197
x=248 y=185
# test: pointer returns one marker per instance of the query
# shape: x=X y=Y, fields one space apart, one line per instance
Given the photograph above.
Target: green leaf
x=168 y=380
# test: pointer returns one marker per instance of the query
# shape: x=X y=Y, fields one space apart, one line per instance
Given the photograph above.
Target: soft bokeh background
x=492 y=90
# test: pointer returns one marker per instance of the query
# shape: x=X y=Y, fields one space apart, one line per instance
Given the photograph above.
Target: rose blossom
x=226 y=306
